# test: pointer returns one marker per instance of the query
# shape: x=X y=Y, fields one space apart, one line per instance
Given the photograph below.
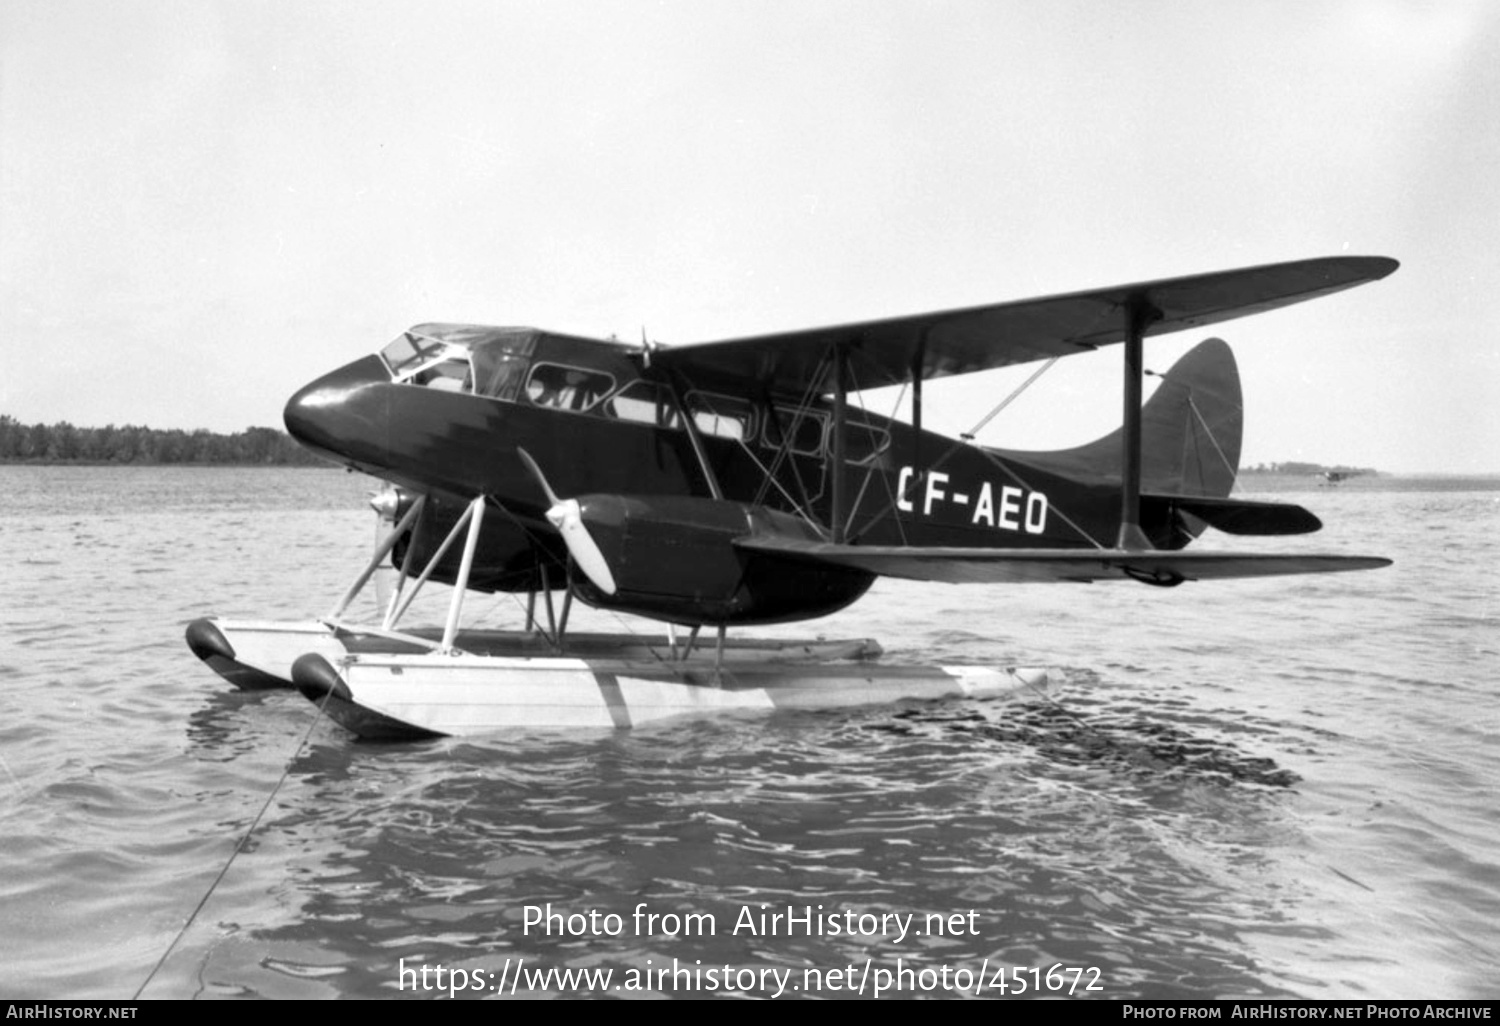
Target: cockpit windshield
x=462 y=358
x=408 y=351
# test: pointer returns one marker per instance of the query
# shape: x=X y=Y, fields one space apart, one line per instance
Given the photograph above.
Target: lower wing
x=1013 y=566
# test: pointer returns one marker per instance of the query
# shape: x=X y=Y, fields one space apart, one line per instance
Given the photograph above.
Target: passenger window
x=803 y=432
x=567 y=388
x=498 y=375
x=642 y=402
x=720 y=416
x=863 y=443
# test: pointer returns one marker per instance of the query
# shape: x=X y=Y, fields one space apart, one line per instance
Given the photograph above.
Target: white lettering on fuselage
x=1019 y=509
x=935 y=493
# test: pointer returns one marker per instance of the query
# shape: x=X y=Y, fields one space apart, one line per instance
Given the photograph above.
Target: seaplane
x=738 y=483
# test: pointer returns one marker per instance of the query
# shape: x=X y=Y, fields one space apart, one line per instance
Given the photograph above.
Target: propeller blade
x=536 y=472
x=567 y=516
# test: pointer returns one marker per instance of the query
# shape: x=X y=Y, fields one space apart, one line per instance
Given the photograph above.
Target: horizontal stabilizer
x=1239 y=516
x=1015 y=566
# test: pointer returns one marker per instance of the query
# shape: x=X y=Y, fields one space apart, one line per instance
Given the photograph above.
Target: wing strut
x=1139 y=314
x=840 y=409
x=695 y=438
x=916 y=413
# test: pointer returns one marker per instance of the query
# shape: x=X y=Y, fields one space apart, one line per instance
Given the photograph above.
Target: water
x=1265 y=789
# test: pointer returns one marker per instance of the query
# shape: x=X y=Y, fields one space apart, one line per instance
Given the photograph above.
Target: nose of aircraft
x=325 y=415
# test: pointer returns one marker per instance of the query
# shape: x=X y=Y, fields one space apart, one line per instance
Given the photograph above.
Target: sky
x=206 y=204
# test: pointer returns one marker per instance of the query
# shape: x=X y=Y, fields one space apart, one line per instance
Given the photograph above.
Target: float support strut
x=383 y=550
x=461 y=583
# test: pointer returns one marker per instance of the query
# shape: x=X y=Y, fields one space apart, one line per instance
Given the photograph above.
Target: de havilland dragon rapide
x=734 y=483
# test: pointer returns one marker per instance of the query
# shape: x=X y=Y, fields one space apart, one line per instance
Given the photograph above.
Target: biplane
x=740 y=482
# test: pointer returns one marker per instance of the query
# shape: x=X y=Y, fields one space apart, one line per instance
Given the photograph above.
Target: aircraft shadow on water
x=734 y=483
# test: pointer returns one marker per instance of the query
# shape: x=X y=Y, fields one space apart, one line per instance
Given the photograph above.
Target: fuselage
x=599 y=421
x=444 y=409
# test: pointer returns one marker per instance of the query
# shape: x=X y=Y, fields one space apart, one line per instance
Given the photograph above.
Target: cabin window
x=447 y=375
x=567 y=388
x=719 y=416
x=498 y=374
x=642 y=402
x=863 y=444
x=500 y=363
x=715 y=416
x=803 y=431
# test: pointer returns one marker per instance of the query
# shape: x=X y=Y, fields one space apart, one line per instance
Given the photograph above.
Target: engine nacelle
x=674 y=558
x=506 y=558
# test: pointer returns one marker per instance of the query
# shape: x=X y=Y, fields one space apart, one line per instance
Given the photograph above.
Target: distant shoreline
x=1268 y=483
x=1374 y=475
x=134 y=444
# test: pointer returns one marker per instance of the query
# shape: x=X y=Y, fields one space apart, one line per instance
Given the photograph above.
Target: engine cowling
x=674 y=558
x=507 y=557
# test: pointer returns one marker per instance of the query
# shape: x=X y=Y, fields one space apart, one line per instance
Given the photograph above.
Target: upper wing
x=977 y=338
x=1016 y=566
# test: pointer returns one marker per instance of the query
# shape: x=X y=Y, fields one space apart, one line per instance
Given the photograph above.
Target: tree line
x=64 y=443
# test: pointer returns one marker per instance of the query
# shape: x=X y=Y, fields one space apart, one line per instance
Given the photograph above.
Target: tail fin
x=1190 y=453
x=1190 y=432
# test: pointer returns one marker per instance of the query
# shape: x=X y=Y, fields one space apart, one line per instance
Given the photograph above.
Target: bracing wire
x=968 y=435
x=239 y=847
x=1210 y=433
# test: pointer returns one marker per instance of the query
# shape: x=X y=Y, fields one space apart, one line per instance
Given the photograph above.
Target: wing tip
x=1377 y=267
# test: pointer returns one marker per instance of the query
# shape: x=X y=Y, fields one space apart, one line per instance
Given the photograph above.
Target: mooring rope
x=254 y=824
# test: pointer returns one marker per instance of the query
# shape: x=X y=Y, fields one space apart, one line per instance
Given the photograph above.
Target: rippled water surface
x=1270 y=788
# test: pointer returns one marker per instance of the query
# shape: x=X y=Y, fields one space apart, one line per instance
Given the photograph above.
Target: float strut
x=383 y=550
x=405 y=574
x=427 y=571
x=687 y=650
x=562 y=621
x=461 y=582
x=551 y=611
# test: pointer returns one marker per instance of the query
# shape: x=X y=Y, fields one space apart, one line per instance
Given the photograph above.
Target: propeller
x=567 y=516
